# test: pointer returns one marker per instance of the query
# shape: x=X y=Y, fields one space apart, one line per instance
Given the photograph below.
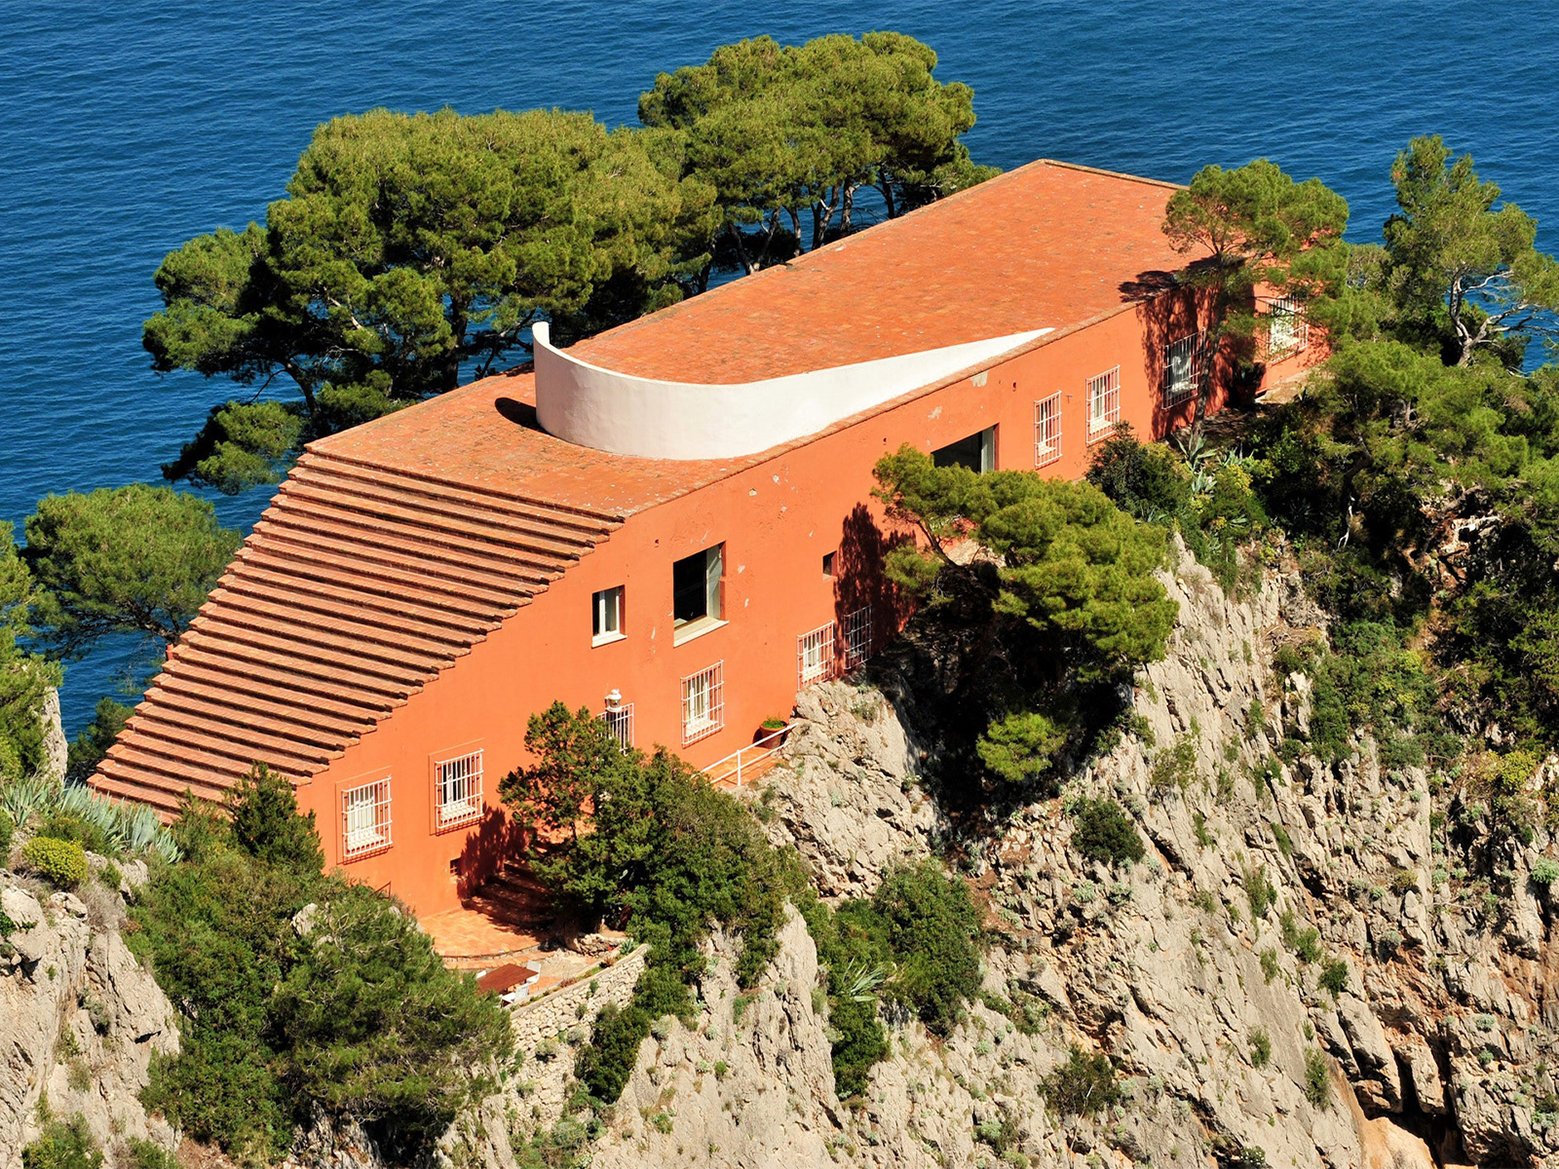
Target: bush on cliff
x=286 y=1015
x=63 y=863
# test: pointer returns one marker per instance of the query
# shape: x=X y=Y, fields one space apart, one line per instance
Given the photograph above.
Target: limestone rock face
x=1428 y=1042
x=79 y=1020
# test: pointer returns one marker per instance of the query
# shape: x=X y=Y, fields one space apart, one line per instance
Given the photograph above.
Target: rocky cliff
x=1301 y=972
x=79 y=1018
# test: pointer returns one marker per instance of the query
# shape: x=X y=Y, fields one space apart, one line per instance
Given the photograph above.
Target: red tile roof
x=394 y=547
x=357 y=587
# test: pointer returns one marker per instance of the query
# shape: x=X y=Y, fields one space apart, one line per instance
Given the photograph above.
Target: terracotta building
x=670 y=523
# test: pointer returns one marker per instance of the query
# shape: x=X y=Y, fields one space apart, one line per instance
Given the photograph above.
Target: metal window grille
x=857 y=637
x=365 y=819
x=459 y=790
x=703 y=703
x=1288 y=329
x=1104 y=403
x=815 y=655
x=619 y=724
x=1047 y=430
x=1182 y=369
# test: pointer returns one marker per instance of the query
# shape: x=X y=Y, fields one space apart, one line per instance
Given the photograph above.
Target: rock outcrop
x=79 y=1018
x=1298 y=974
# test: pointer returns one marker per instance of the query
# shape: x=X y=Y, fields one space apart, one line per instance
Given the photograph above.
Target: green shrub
x=1102 y=831
x=1260 y=892
x=7 y=830
x=356 y=1018
x=150 y=1155
x=1260 y=1047
x=606 y=1062
x=1269 y=965
x=1334 y=977
x=1145 y=480
x=1305 y=942
x=63 y=863
x=63 y=1145
x=1281 y=837
x=933 y=931
x=1545 y=872
x=1082 y=1086
x=63 y=825
x=1021 y=748
x=1174 y=767
x=1318 y=1080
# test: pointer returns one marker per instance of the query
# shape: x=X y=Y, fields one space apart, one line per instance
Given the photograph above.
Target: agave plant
x=862 y=982
x=24 y=798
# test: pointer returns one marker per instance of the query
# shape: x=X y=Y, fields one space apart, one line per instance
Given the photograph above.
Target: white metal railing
x=1104 y=403
x=746 y=763
x=1047 y=430
x=459 y=791
x=703 y=703
x=1181 y=369
x=815 y=655
x=365 y=819
x=857 y=638
x=1288 y=329
x=619 y=724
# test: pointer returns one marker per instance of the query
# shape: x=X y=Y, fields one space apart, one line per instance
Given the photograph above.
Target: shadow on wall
x=860 y=582
x=1167 y=309
x=494 y=840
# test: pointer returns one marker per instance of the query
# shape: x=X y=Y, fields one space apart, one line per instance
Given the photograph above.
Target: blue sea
x=128 y=128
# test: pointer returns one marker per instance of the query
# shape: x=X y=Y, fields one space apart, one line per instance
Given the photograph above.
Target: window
x=365 y=819
x=695 y=592
x=815 y=655
x=1047 y=430
x=857 y=637
x=1182 y=367
x=618 y=717
x=608 y=620
x=828 y=563
x=703 y=703
x=977 y=452
x=1288 y=331
x=458 y=784
x=1104 y=403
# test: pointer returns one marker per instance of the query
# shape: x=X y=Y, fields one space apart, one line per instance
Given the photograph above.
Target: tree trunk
x=748 y=268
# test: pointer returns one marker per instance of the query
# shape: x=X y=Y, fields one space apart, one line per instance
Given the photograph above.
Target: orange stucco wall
x=776 y=520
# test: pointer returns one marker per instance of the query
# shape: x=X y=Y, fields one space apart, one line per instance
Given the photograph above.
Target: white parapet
x=628 y=415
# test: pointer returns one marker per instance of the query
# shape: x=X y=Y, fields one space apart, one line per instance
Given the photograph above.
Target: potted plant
x=771 y=731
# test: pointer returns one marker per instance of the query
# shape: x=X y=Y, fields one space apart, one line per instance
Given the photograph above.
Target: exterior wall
x=777 y=521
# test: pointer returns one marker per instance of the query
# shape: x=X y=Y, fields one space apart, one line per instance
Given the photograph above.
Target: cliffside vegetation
x=302 y=997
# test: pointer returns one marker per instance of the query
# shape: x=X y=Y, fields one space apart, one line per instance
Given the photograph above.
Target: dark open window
x=695 y=586
x=977 y=452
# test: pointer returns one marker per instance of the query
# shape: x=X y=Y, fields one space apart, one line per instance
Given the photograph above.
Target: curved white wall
x=627 y=415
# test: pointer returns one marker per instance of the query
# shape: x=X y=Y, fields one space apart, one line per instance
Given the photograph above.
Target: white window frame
x=703 y=703
x=856 y=638
x=815 y=655
x=1296 y=328
x=365 y=819
x=619 y=724
x=606 y=609
x=1182 y=369
x=1104 y=403
x=1047 y=430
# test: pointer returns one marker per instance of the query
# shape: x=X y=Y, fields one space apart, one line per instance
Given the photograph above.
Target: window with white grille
x=365 y=819
x=815 y=655
x=1047 y=430
x=1288 y=331
x=619 y=724
x=857 y=638
x=1182 y=370
x=1104 y=403
x=703 y=703
x=458 y=790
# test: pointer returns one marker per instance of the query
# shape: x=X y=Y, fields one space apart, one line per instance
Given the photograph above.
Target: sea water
x=127 y=128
